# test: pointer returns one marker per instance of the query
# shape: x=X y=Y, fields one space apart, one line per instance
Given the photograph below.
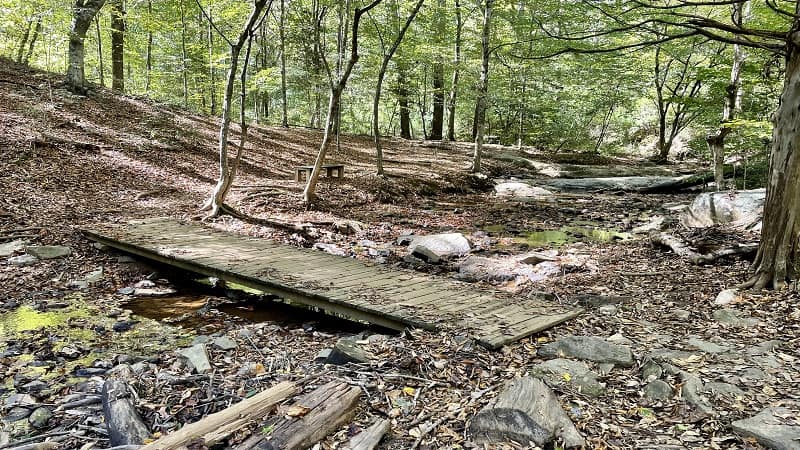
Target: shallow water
x=568 y=234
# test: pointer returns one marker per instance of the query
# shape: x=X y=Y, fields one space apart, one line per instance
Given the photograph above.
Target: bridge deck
x=358 y=290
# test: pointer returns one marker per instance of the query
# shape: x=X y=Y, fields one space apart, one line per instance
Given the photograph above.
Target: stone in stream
x=588 y=348
x=39 y=417
x=435 y=247
x=776 y=428
x=23 y=260
x=197 y=357
x=556 y=371
x=526 y=411
x=49 y=251
x=9 y=248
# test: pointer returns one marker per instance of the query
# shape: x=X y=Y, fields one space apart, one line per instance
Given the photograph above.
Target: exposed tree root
x=682 y=249
x=220 y=210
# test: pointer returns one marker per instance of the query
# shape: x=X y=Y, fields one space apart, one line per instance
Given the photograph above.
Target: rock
x=9 y=248
x=655 y=223
x=516 y=189
x=123 y=325
x=125 y=259
x=34 y=386
x=323 y=355
x=588 y=348
x=49 y=251
x=608 y=310
x=775 y=428
x=651 y=370
x=154 y=292
x=196 y=357
x=126 y=291
x=534 y=258
x=333 y=249
x=99 y=246
x=681 y=314
x=726 y=297
x=607 y=183
x=39 y=417
x=224 y=343
x=619 y=339
x=754 y=374
x=763 y=348
x=734 y=318
x=94 y=276
x=718 y=389
x=658 y=390
x=23 y=260
x=434 y=247
x=692 y=392
x=144 y=284
x=742 y=209
x=78 y=284
x=69 y=352
x=90 y=372
x=348 y=349
x=594 y=300
x=556 y=371
x=16 y=413
x=707 y=347
x=24 y=400
x=478 y=268
x=526 y=411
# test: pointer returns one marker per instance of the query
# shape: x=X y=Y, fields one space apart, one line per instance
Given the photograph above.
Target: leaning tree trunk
x=117 y=46
x=37 y=30
x=381 y=74
x=480 y=121
x=83 y=13
x=24 y=42
x=451 y=103
x=777 y=255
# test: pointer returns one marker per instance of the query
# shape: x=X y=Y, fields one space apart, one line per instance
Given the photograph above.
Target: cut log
x=218 y=426
x=125 y=425
x=526 y=411
x=312 y=417
x=369 y=438
x=682 y=249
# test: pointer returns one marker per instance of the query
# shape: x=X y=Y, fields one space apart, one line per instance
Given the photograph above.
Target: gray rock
x=651 y=370
x=323 y=355
x=94 y=276
x=608 y=310
x=49 y=251
x=126 y=291
x=668 y=355
x=658 y=390
x=718 y=389
x=594 y=300
x=23 y=260
x=775 y=428
x=25 y=400
x=619 y=339
x=9 y=248
x=125 y=259
x=348 y=349
x=39 y=417
x=692 y=392
x=478 y=268
x=526 y=411
x=707 y=347
x=754 y=374
x=333 y=249
x=196 y=357
x=556 y=371
x=607 y=183
x=588 y=348
x=34 y=386
x=435 y=247
x=726 y=297
x=78 y=284
x=767 y=361
x=516 y=189
x=742 y=209
x=605 y=368
x=681 y=314
x=763 y=348
x=16 y=413
x=533 y=258
x=224 y=343
x=734 y=318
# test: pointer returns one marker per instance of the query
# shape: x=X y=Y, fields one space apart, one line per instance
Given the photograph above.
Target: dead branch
x=683 y=250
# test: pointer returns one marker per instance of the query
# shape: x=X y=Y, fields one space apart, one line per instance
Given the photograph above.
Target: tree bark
x=149 y=55
x=82 y=14
x=211 y=71
x=184 y=58
x=483 y=87
x=451 y=103
x=381 y=74
x=369 y=438
x=282 y=34
x=777 y=256
x=402 y=100
x=125 y=425
x=100 y=64
x=24 y=42
x=37 y=30
x=118 y=45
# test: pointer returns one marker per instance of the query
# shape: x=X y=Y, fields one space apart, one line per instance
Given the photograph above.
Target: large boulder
x=742 y=209
x=517 y=189
x=435 y=247
x=775 y=428
x=588 y=348
x=49 y=251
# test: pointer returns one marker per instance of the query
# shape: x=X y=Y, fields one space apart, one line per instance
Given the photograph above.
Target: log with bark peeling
x=310 y=419
x=683 y=250
x=125 y=425
x=218 y=426
x=369 y=438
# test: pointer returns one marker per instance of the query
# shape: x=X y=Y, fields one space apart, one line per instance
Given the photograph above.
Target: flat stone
x=763 y=348
x=333 y=249
x=224 y=343
x=692 y=392
x=323 y=355
x=24 y=400
x=588 y=348
x=534 y=258
x=754 y=374
x=9 y=248
x=718 y=389
x=707 y=347
x=49 y=251
x=23 y=260
x=94 y=276
x=681 y=314
x=619 y=339
x=435 y=247
x=658 y=390
x=775 y=428
x=348 y=349
x=16 y=413
x=734 y=318
x=741 y=209
x=479 y=268
x=608 y=310
x=40 y=417
x=196 y=357
x=556 y=371
x=669 y=355
x=516 y=189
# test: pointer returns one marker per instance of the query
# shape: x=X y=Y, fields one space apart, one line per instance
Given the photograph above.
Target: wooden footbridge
x=347 y=287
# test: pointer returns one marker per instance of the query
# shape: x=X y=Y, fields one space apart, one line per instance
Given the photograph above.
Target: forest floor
x=68 y=161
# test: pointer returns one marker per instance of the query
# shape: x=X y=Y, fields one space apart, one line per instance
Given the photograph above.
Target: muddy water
x=564 y=235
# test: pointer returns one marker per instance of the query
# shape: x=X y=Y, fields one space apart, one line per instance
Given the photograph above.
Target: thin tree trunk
x=149 y=56
x=184 y=58
x=451 y=104
x=437 y=119
x=483 y=87
x=211 y=75
x=282 y=33
x=37 y=30
x=101 y=66
x=402 y=100
x=24 y=42
x=117 y=45
x=381 y=74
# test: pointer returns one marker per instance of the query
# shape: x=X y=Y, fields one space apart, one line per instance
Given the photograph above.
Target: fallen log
x=218 y=426
x=39 y=446
x=125 y=425
x=682 y=249
x=369 y=438
x=312 y=417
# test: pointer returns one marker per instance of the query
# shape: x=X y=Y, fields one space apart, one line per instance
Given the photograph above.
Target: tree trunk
x=83 y=13
x=381 y=74
x=282 y=33
x=37 y=30
x=437 y=119
x=101 y=66
x=483 y=88
x=184 y=58
x=211 y=72
x=149 y=56
x=777 y=256
x=451 y=104
x=309 y=193
x=24 y=42
x=118 y=45
x=402 y=100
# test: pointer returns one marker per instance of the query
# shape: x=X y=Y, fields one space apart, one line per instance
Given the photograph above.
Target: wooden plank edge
x=495 y=343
